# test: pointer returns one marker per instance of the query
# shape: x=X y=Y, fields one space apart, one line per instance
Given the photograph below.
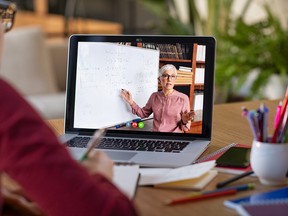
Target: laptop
x=101 y=66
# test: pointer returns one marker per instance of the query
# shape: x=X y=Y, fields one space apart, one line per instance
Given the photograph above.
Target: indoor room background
x=252 y=36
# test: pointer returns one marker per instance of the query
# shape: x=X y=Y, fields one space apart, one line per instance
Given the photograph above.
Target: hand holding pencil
x=93 y=142
x=97 y=161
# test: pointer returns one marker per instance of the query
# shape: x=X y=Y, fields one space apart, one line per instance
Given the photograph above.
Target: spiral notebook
x=215 y=155
x=258 y=199
x=279 y=208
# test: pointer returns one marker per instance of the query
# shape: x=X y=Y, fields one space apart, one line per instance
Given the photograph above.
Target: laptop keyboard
x=131 y=144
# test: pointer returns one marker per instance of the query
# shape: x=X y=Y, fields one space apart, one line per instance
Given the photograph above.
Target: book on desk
x=192 y=177
x=231 y=170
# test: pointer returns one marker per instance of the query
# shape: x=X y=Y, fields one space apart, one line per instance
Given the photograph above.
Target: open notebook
x=192 y=177
x=126 y=178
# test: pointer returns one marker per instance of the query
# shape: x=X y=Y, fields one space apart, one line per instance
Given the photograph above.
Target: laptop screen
x=141 y=85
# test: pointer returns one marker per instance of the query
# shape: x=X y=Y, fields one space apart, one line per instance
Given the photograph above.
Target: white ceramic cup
x=269 y=162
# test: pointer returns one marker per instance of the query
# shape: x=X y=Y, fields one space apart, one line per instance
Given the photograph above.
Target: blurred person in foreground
x=50 y=181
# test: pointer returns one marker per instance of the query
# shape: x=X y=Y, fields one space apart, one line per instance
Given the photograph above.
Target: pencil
x=235 y=178
x=279 y=124
x=201 y=197
x=210 y=194
x=93 y=142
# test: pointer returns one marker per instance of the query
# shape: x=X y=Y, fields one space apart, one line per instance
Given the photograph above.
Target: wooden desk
x=228 y=126
x=54 y=25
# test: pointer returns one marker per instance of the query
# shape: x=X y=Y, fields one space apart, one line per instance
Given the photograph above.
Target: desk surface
x=228 y=127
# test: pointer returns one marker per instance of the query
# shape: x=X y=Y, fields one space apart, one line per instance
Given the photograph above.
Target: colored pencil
x=279 y=125
x=233 y=179
x=210 y=194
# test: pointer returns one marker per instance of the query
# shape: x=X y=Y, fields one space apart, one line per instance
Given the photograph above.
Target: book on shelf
x=198 y=101
x=201 y=52
x=179 y=50
x=199 y=76
x=215 y=155
x=184 y=68
x=194 y=177
x=126 y=178
x=170 y=51
x=270 y=197
x=184 y=77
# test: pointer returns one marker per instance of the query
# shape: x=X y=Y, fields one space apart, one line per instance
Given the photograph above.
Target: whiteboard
x=103 y=69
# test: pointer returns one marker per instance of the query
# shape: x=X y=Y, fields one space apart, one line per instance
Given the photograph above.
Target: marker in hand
x=126 y=95
x=93 y=142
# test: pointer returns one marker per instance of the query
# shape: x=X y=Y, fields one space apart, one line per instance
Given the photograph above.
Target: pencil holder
x=269 y=162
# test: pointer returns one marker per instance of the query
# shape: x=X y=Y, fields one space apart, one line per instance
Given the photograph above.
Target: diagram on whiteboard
x=103 y=69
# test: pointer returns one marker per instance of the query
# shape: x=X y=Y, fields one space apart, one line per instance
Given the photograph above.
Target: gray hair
x=165 y=68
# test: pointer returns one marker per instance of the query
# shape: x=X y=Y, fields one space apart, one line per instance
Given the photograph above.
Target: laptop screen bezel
x=210 y=44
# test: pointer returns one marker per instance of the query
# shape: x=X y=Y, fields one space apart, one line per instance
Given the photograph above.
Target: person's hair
x=165 y=68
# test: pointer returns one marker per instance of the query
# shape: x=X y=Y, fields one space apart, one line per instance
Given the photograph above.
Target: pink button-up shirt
x=167 y=111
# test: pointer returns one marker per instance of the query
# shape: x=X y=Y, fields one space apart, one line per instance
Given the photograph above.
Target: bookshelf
x=190 y=62
x=189 y=59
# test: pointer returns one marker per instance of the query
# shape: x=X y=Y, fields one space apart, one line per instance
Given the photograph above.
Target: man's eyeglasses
x=166 y=76
x=7 y=14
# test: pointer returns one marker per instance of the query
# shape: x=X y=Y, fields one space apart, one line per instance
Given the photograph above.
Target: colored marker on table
x=120 y=125
x=136 y=120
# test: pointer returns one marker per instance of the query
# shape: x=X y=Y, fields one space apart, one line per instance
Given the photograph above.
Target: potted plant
x=241 y=47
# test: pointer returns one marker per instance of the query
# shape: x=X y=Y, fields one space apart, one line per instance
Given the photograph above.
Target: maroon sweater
x=31 y=154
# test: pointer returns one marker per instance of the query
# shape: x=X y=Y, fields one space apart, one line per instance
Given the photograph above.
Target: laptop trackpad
x=120 y=156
